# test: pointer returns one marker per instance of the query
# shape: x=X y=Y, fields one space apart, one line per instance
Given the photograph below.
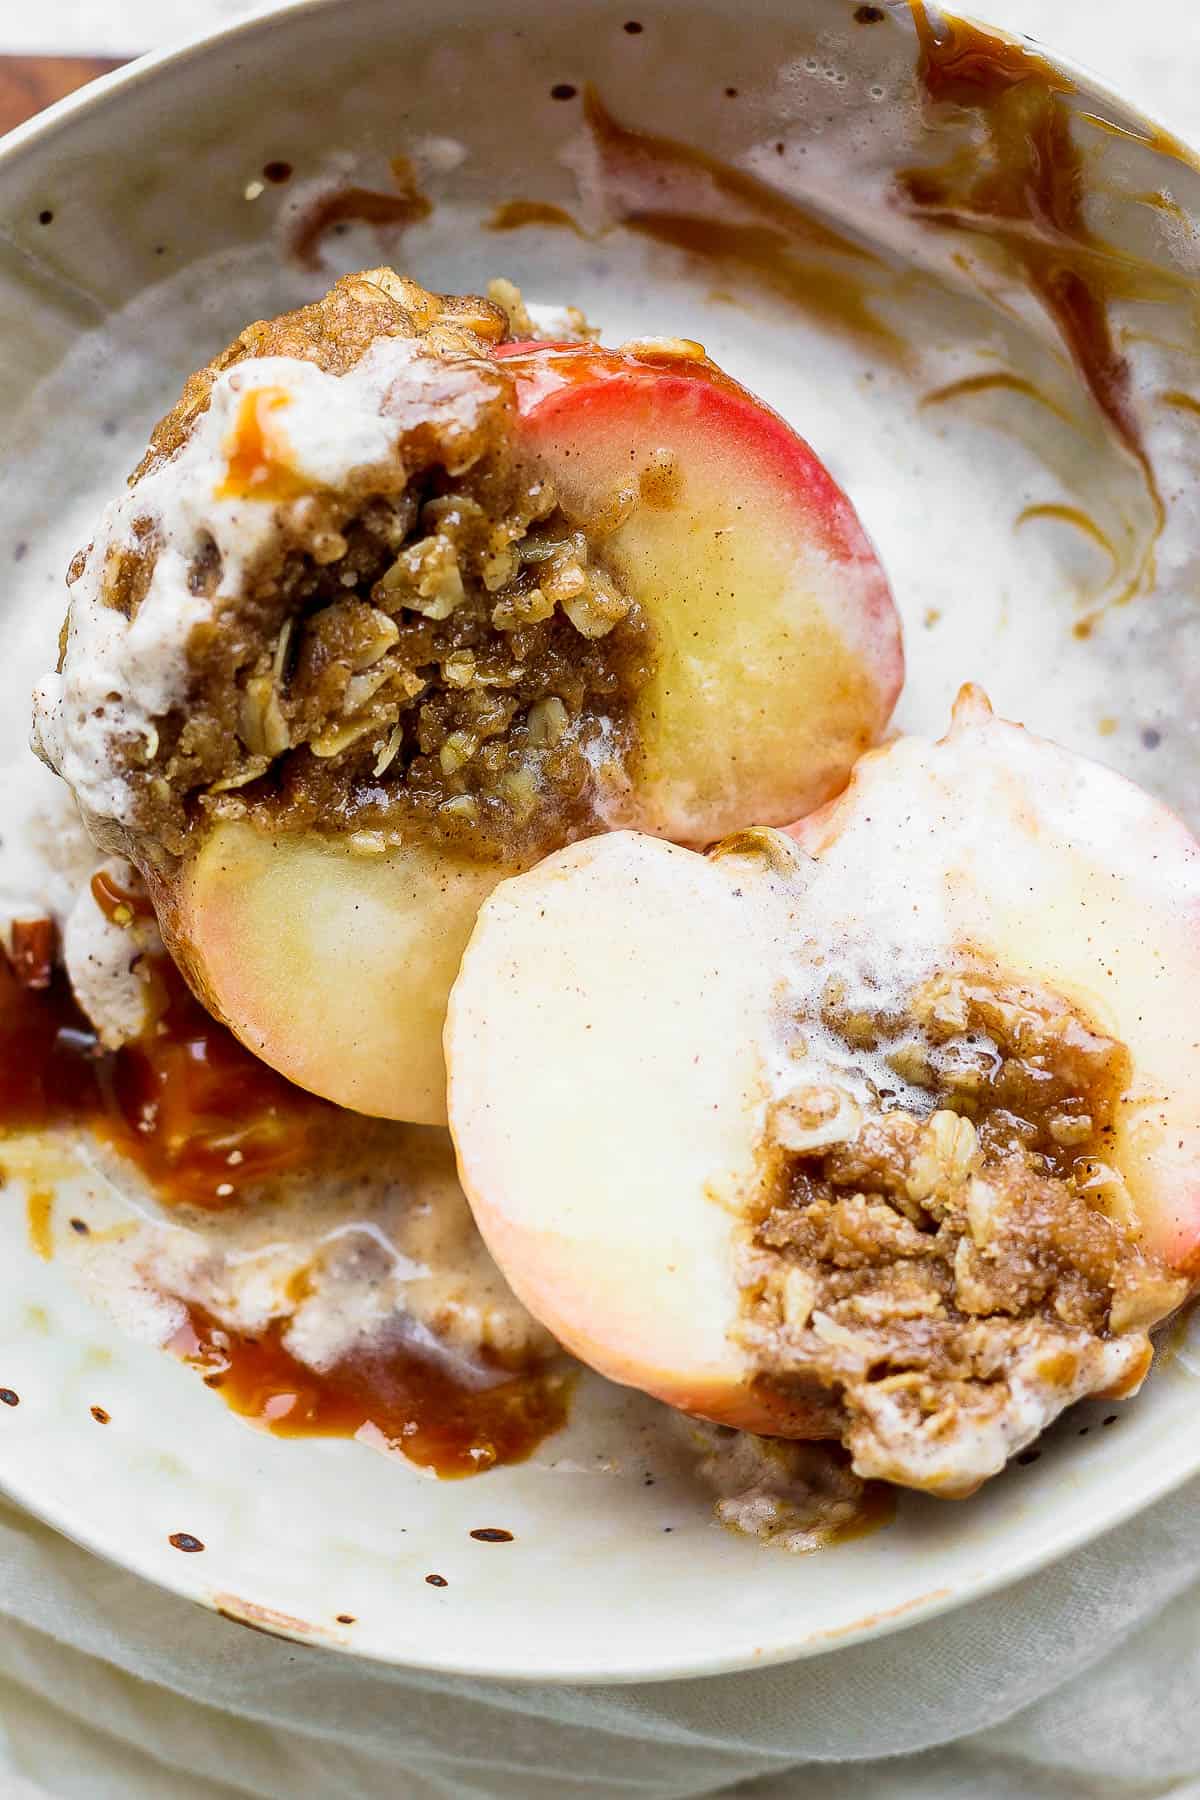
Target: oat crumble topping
x=429 y=646
x=942 y=1284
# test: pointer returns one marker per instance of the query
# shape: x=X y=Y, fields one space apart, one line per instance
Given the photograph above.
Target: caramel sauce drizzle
x=205 y=1122
x=120 y=906
x=989 y=382
x=1181 y=402
x=258 y=455
x=198 y=1115
x=514 y=215
x=39 y=1211
x=1075 y=517
x=1026 y=190
x=683 y=197
x=387 y=1393
x=359 y=205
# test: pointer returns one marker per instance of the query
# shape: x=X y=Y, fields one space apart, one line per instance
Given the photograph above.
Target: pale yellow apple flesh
x=777 y=657
x=332 y=966
x=623 y=985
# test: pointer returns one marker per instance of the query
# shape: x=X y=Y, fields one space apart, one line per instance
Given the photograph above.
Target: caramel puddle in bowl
x=179 y=1103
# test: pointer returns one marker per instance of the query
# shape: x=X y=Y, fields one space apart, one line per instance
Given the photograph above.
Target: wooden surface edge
x=28 y=83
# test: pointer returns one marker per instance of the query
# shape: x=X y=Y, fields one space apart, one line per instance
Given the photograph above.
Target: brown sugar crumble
x=934 y=1287
x=434 y=648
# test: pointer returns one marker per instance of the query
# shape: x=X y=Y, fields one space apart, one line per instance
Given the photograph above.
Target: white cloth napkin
x=1080 y=1683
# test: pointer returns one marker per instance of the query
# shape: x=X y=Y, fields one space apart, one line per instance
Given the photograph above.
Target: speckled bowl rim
x=1172 y=1472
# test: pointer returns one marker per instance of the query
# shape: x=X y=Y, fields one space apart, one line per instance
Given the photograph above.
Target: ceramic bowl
x=1035 y=510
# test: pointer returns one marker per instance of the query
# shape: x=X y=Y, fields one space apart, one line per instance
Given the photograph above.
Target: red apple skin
x=563 y=388
x=568 y=389
x=756 y=514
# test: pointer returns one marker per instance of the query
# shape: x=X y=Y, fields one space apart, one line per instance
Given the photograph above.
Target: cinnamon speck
x=437 y=1581
x=492 y=1534
x=45 y=217
x=277 y=172
x=562 y=90
x=98 y=1413
x=868 y=15
x=346 y=1619
x=9 y=1398
x=183 y=1540
x=634 y=27
x=81 y=1226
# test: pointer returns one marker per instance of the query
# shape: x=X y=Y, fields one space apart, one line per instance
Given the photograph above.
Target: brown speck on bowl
x=345 y=1619
x=437 y=1581
x=9 y=1398
x=633 y=26
x=492 y=1534
x=81 y=1226
x=562 y=90
x=101 y=1417
x=183 y=1540
x=868 y=15
x=45 y=217
x=277 y=171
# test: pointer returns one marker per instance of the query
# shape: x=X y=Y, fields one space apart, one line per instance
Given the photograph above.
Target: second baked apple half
x=394 y=608
x=881 y=1129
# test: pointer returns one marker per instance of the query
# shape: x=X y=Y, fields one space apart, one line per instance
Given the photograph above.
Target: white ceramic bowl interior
x=163 y=241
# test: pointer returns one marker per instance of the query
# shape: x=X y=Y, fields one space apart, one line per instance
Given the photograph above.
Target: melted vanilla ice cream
x=121 y=674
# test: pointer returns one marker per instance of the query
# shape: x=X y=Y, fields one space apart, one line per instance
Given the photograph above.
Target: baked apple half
x=883 y=1128
x=393 y=607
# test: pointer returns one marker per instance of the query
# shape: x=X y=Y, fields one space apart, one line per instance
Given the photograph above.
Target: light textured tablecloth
x=1082 y=1683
